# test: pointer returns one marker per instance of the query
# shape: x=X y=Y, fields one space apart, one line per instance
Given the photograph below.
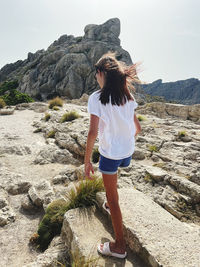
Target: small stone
x=27 y=204
x=156 y=173
x=138 y=155
x=18 y=188
x=3 y=220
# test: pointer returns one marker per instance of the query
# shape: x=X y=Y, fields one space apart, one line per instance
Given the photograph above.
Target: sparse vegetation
x=57 y=101
x=80 y=261
x=51 y=134
x=55 y=108
x=148 y=178
x=11 y=96
x=69 y=116
x=141 y=118
x=153 y=148
x=84 y=195
x=95 y=155
x=47 y=116
x=182 y=134
x=15 y=97
x=2 y=103
x=161 y=165
x=8 y=86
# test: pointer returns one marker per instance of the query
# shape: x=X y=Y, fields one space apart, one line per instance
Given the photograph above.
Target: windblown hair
x=119 y=78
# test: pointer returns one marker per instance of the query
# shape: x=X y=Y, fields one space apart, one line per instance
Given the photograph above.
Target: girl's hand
x=88 y=169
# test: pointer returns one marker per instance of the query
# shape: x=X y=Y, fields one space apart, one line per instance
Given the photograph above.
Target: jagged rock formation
x=66 y=68
x=185 y=91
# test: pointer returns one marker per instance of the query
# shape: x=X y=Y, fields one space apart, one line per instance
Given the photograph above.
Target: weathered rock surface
x=41 y=194
x=154 y=234
x=6 y=212
x=176 y=188
x=55 y=255
x=164 y=110
x=84 y=241
x=6 y=111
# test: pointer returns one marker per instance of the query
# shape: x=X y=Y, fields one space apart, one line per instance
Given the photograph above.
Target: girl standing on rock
x=112 y=112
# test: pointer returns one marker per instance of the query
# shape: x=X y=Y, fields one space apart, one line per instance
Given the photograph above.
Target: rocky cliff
x=66 y=68
x=184 y=92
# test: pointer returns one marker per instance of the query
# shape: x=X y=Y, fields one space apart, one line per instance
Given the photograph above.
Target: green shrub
x=47 y=117
x=148 y=177
x=69 y=116
x=182 y=133
x=55 y=108
x=15 y=97
x=51 y=134
x=51 y=223
x=8 y=86
x=57 y=101
x=141 y=118
x=84 y=195
x=153 y=148
x=2 y=103
x=95 y=155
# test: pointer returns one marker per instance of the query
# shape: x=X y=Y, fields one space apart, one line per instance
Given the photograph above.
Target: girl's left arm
x=92 y=135
x=137 y=125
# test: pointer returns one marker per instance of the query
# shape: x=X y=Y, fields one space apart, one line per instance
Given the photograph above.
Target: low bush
x=55 y=108
x=57 y=101
x=15 y=97
x=47 y=117
x=84 y=195
x=51 y=134
x=141 y=118
x=2 y=103
x=182 y=134
x=153 y=148
x=8 y=86
x=69 y=116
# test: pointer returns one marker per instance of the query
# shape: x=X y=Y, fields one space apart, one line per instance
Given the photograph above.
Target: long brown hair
x=118 y=79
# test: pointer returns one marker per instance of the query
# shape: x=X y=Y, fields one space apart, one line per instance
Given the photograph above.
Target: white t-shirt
x=116 y=127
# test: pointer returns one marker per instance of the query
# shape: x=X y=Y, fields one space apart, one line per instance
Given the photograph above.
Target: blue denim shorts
x=110 y=166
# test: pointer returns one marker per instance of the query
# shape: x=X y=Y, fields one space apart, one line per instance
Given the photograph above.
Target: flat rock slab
x=157 y=236
x=84 y=229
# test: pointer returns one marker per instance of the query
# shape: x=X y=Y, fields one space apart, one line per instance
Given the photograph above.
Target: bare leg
x=110 y=184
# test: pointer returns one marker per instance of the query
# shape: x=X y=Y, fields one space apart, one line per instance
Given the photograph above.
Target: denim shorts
x=110 y=166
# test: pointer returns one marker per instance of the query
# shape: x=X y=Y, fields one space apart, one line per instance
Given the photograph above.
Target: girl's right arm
x=92 y=135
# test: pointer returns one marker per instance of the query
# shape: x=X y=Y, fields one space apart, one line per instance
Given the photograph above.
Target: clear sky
x=163 y=34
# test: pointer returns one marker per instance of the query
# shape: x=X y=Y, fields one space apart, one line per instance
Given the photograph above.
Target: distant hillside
x=185 y=91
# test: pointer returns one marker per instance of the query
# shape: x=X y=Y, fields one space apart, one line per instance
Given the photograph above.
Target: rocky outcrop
x=184 y=92
x=163 y=110
x=153 y=236
x=66 y=68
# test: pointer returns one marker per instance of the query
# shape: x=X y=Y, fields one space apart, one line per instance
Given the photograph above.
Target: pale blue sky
x=163 y=34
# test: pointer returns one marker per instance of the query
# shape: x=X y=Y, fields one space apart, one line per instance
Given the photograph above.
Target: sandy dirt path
x=17 y=130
